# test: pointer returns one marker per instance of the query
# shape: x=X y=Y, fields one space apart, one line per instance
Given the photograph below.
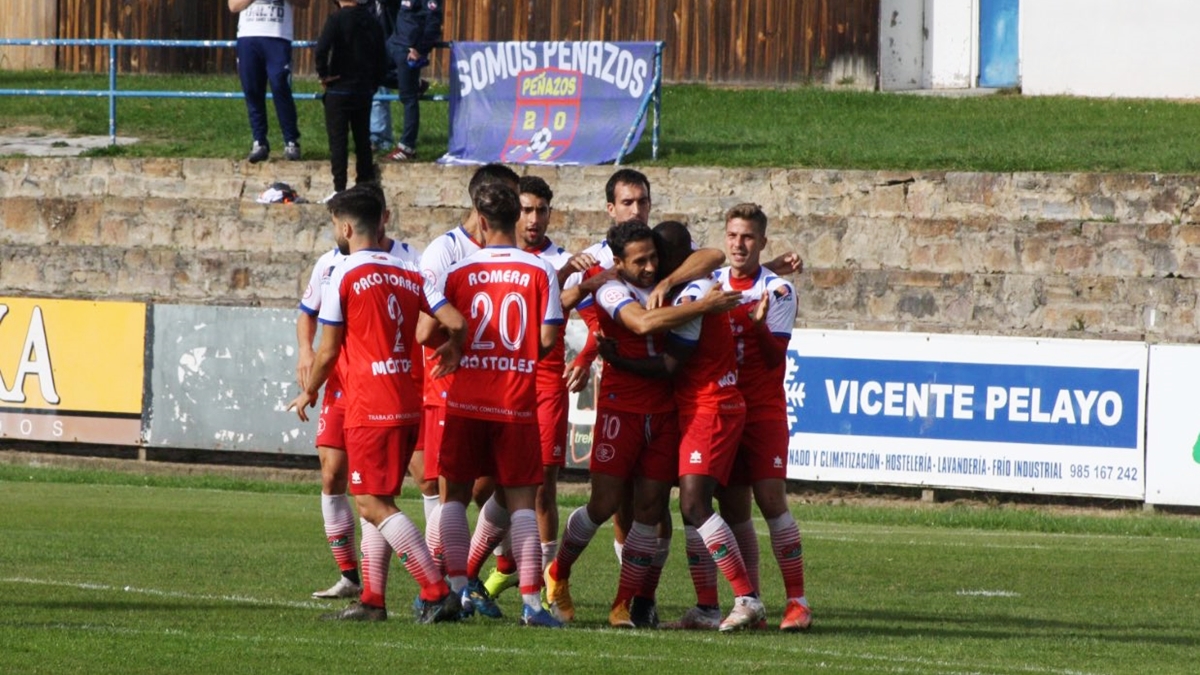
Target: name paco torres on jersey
x=376 y=278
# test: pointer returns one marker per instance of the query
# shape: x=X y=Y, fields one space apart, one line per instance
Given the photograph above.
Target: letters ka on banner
x=546 y=102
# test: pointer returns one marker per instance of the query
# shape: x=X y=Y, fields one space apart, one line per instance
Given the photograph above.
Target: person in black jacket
x=351 y=61
x=418 y=28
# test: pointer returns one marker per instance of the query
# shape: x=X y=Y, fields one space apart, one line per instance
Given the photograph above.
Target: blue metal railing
x=653 y=97
x=112 y=93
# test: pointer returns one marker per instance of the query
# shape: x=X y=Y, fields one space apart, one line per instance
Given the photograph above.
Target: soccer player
x=441 y=253
x=552 y=398
x=762 y=327
x=512 y=299
x=369 y=311
x=637 y=433
x=712 y=414
x=331 y=452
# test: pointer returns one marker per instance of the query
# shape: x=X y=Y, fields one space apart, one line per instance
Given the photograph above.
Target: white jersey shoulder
x=310 y=303
x=331 y=304
x=781 y=310
x=617 y=293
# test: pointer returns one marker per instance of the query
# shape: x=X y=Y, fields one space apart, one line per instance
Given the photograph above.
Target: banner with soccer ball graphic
x=547 y=102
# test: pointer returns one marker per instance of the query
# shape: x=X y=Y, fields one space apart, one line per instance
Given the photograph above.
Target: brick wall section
x=1065 y=255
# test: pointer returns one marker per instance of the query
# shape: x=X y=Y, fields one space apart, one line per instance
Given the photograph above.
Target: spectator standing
x=351 y=62
x=418 y=28
x=264 y=56
x=381 y=111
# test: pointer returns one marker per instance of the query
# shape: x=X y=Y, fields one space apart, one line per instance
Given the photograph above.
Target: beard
x=343 y=246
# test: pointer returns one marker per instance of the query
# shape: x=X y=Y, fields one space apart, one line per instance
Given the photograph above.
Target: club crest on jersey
x=605 y=452
x=696 y=457
x=778 y=462
x=558 y=450
x=321 y=425
x=356 y=478
x=614 y=295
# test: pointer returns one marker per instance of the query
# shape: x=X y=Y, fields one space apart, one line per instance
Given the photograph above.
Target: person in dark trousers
x=351 y=62
x=418 y=28
x=264 y=55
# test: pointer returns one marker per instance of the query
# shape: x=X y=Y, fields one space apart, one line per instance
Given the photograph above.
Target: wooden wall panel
x=721 y=41
x=29 y=21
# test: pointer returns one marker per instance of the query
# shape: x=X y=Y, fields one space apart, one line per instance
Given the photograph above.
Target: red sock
x=789 y=553
x=723 y=547
x=376 y=556
x=636 y=556
x=702 y=569
x=747 y=541
x=578 y=533
x=339 y=530
x=405 y=539
x=490 y=529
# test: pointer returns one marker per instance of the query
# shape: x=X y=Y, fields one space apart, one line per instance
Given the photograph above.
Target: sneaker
x=558 y=594
x=291 y=151
x=698 y=618
x=796 y=617
x=747 y=611
x=357 y=612
x=422 y=87
x=618 y=617
x=498 y=582
x=466 y=608
x=446 y=609
x=344 y=588
x=401 y=154
x=538 y=617
x=259 y=152
x=643 y=612
x=482 y=600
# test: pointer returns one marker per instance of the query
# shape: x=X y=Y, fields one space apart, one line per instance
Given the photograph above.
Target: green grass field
x=701 y=126
x=116 y=573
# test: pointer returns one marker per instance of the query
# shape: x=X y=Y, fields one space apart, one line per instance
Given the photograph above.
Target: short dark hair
x=674 y=243
x=536 y=186
x=361 y=207
x=376 y=189
x=498 y=203
x=749 y=212
x=627 y=176
x=624 y=232
x=491 y=174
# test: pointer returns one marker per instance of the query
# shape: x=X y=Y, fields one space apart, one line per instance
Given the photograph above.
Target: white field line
x=239 y=599
x=990 y=594
x=783 y=654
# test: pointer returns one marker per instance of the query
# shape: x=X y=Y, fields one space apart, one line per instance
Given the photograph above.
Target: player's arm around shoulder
x=642 y=321
x=552 y=313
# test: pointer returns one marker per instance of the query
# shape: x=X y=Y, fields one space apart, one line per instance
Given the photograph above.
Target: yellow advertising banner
x=73 y=359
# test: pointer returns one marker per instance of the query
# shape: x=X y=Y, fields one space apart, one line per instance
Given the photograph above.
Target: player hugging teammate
x=691 y=395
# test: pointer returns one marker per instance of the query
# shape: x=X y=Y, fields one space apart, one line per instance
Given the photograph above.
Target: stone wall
x=1065 y=255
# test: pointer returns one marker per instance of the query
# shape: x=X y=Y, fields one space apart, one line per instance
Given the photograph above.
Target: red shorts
x=506 y=450
x=433 y=428
x=628 y=443
x=710 y=442
x=331 y=430
x=762 y=452
x=552 y=425
x=378 y=458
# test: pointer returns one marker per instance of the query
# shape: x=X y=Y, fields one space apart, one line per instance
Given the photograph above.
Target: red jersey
x=552 y=366
x=435 y=262
x=761 y=386
x=310 y=303
x=708 y=381
x=377 y=297
x=506 y=295
x=621 y=390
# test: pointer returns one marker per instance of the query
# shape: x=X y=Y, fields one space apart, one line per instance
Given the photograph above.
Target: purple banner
x=547 y=102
